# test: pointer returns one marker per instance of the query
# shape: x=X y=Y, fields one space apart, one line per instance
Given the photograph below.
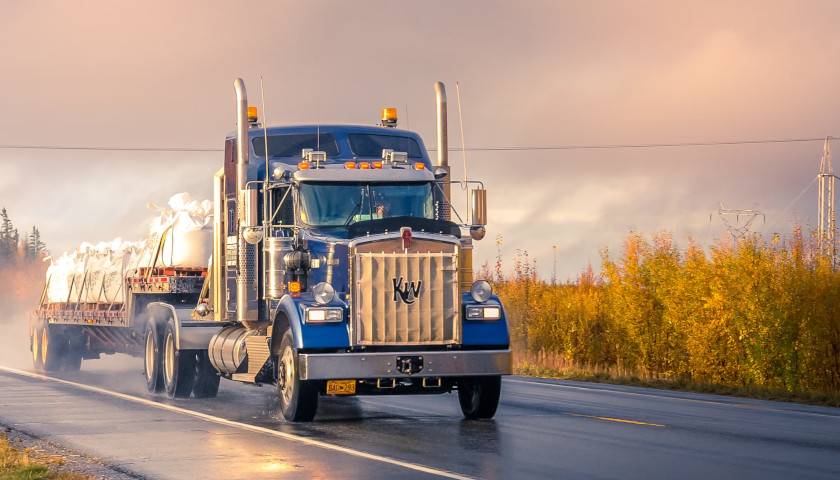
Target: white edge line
x=244 y=426
x=671 y=397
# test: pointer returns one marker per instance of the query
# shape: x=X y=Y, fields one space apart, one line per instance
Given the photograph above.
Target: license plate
x=341 y=387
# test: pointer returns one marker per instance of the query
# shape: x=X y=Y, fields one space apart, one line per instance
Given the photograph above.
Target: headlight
x=324 y=293
x=482 y=312
x=324 y=315
x=481 y=291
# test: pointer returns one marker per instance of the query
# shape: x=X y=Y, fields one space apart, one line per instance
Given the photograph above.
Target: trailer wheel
x=206 y=377
x=151 y=359
x=479 y=396
x=35 y=342
x=298 y=398
x=178 y=365
x=52 y=348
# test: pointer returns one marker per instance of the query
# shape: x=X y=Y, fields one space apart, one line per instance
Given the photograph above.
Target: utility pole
x=738 y=220
x=827 y=217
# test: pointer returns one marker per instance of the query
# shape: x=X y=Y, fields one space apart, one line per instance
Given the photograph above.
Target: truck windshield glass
x=366 y=145
x=342 y=204
x=290 y=145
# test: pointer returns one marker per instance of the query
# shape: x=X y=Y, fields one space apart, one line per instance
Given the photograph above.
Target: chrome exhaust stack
x=443 y=144
x=247 y=305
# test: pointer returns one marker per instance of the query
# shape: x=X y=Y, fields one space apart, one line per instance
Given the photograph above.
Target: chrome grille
x=424 y=308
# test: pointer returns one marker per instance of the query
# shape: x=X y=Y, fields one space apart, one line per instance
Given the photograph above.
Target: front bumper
x=332 y=366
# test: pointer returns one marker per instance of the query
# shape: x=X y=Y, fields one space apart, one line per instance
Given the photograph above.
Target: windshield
x=367 y=145
x=290 y=145
x=342 y=204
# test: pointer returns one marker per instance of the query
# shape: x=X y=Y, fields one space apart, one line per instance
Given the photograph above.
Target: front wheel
x=298 y=398
x=479 y=396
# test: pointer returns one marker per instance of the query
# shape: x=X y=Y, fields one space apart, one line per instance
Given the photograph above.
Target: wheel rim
x=169 y=359
x=150 y=355
x=287 y=375
x=35 y=351
x=45 y=341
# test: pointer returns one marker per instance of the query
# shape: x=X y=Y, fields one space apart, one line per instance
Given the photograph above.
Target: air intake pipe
x=443 y=144
x=247 y=305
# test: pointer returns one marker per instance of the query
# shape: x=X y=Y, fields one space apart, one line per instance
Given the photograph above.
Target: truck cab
x=338 y=269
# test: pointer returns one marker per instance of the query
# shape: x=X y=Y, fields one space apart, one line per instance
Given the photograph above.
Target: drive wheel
x=479 y=396
x=52 y=348
x=178 y=365
x=298 y=399
x=206 y=377
x=35 y=341
x=73 y=346
x=152 y=370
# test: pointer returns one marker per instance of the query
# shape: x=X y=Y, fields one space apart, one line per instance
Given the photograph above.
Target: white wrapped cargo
x=96 y=273
x=187 y=226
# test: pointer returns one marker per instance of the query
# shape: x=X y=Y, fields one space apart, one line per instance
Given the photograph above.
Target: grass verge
x=24 y=464
x=549 y=366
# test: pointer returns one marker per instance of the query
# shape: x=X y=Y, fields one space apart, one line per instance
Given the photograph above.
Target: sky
x=160 y=74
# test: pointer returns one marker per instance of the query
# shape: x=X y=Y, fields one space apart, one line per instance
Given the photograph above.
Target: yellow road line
x=618 y=420
x=244 y=426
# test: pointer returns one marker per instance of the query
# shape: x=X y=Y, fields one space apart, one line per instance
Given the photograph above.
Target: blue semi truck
x=337 y=269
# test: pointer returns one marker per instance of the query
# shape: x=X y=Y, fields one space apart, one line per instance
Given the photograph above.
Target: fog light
x=481 y=291
x=324 y=293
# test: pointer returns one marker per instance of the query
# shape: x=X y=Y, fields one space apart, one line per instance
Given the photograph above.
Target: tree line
x=757 y=313
x=16 y=249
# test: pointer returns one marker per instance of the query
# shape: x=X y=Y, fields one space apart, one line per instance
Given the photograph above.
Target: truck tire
x=206 y=377
x=35 y=344
x=178 y=365
x=73 y=349
x=152 y=370
x=479 y=396
x=298 y=398
x=52 y=348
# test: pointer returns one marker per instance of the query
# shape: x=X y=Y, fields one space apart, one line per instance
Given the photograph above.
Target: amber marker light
x=294 y=288
x=419 y=166
x=364 y=166
x=376 y=165
x=350 y=165
x=303 y=165
x=253 y=116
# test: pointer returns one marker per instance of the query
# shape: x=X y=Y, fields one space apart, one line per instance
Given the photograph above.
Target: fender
x=308 y=336
x=288 y=309
x=189 y=334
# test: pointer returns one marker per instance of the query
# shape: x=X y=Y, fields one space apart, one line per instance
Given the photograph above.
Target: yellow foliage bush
x=752 y=314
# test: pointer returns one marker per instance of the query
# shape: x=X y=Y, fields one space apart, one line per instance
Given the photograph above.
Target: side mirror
x=478 y=196
x=441 y=173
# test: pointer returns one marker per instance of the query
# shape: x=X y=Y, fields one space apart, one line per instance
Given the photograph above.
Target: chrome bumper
x=325 y=366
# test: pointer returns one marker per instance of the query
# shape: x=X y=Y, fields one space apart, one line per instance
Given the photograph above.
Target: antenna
x=738 y=228
x=463 y=148
x=265 y=128
x=317 y=136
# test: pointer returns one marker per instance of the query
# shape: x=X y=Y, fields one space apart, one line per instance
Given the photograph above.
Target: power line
x=714 y=143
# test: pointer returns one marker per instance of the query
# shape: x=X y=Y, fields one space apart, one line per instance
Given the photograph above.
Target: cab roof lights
x=389 y=117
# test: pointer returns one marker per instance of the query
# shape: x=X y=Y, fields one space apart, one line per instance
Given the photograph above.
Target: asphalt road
x=544 y=429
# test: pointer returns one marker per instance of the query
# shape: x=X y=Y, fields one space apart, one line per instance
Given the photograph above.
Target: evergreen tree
x=8 y=246
x=34 y=246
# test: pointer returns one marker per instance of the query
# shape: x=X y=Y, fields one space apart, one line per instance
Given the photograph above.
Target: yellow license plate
x=341 y=387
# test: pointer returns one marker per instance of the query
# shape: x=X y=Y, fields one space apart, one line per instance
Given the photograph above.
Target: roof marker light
x=376 y=165
x=350 y=165
x=419 y=166
x=364 y=165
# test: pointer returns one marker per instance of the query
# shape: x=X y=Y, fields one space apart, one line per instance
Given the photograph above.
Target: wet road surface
x=544 y=429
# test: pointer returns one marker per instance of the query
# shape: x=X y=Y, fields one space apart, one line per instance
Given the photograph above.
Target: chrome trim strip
x=326 y=366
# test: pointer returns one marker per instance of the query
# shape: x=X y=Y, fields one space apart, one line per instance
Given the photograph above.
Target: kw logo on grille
x=408 y=292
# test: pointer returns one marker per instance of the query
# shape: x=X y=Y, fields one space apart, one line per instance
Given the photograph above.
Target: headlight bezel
x=321 y=315
x=483 y=312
